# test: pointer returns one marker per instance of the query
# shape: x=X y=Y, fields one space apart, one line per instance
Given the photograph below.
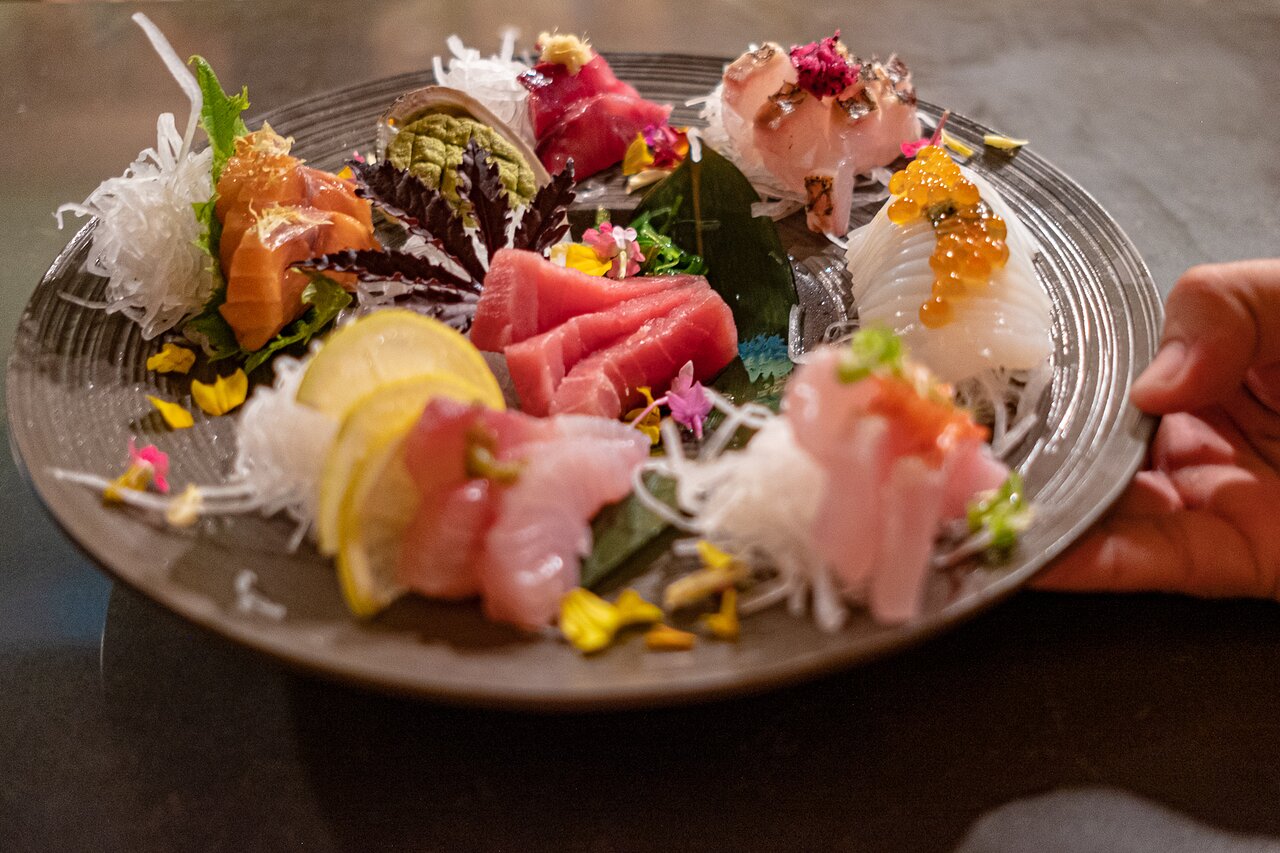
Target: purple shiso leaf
x=545 y=220
x=394 y=265
x=481 y=186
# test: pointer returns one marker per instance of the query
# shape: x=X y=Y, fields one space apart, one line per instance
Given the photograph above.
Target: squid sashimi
x=485 y=523
x=815 y=117
x=953 y=276
x=276 y=212
x=580 y=111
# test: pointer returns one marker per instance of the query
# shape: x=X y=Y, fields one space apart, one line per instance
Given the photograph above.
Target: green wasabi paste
x=431 y=148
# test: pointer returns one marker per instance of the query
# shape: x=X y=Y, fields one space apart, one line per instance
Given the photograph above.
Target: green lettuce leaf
x=326 y=298
x=220 y=114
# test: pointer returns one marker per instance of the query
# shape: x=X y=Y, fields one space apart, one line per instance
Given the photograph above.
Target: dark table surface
x=1051 y=722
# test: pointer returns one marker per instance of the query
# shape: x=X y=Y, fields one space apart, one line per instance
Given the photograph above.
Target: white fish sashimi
x=542 y=529
x=1006 y=326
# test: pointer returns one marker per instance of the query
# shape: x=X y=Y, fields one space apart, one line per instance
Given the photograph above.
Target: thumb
x=1220 y=320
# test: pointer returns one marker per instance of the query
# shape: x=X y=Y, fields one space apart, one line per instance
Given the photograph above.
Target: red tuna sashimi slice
x=595 y=133
x=553 y=90
x=542 y=529
x=538 y=365
x=700 y=330
x=525 y=295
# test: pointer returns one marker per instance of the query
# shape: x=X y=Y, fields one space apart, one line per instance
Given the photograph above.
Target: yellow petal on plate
x=174 y=415
x=1004 y=143
x=634 y=610
x=225 y=394
x=956 y=145
x=664 y=638
x=172 y=359
x=724 y=624
x=587 y=620
x=185 y=508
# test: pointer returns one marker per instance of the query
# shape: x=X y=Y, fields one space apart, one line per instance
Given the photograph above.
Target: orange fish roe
x=970 y=238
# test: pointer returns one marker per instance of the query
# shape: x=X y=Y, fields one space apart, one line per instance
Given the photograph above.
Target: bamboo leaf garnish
x=545 y=220
x=480 y=185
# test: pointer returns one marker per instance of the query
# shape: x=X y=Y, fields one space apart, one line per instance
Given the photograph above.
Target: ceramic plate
x=76 y=392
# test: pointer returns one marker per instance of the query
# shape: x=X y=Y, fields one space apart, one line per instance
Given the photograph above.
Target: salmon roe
x=970 y=238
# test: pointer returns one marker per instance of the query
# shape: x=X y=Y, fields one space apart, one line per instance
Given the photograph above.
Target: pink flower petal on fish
x=823 y=67
x=618 y=244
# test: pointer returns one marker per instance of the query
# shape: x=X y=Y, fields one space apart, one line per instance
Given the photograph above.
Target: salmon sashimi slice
x=264 y=293
x=539 y=364
x=525 y=294
x=606 y=383
x=274 y=213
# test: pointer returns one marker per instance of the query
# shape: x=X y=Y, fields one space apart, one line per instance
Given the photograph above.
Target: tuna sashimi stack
x=486 y=523
x=585 y=114
x=576 y=343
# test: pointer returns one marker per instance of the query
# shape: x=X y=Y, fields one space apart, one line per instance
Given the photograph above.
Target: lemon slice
x=391 y=408
x=379 y=505
x=388 y=345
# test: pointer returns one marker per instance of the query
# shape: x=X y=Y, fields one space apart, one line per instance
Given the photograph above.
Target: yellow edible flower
x=591 y=624
x=634 y=610
x=226 y=393
x=172 y=359
x=638 y=157
x=650 y=423
x=185 y=508
x=567 y=50
x=174 y=415
x=1004 y=143
x=724 y=624
x=664 y=638
x=720 y=571
x=580 y=257
x=956 y=145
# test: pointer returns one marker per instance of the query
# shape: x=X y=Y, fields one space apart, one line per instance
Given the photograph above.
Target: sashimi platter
x=558 y=378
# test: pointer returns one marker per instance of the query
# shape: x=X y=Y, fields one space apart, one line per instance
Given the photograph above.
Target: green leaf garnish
x=628 y=533
x=219 y=114
x=326 y=298
x=872 y=350
x=705 y=208
x=1003 y=514
x=661 y=254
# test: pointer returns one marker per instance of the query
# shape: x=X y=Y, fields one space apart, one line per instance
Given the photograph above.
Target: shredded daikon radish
x=490 y=81
x=145 y=241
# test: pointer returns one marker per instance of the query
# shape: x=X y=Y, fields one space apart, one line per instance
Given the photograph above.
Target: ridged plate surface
x=77 y=385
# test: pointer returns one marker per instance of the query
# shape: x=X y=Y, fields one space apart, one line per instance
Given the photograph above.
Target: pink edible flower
x=153 y=459
x=823 y=67
x=688 y=400
x=667 y=145
x=911 y=149
x=618 y=244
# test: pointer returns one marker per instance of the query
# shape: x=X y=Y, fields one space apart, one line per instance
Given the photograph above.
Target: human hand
x=1203 y=517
